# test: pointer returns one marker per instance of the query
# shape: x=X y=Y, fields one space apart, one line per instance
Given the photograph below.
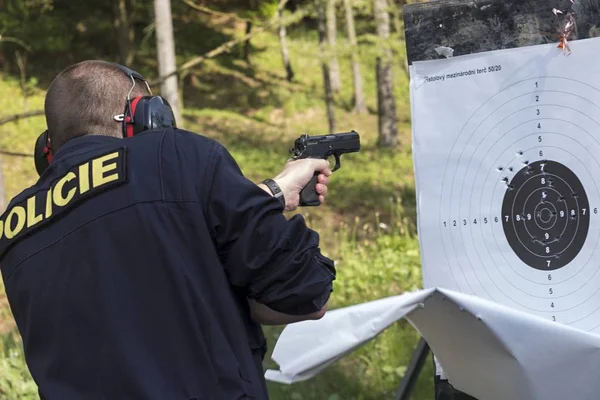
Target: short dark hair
x=84 y=98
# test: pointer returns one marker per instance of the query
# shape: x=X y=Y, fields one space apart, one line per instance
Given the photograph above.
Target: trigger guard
x=337 y=163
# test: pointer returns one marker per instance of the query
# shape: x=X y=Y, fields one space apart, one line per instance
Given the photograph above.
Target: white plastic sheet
x=487 y=350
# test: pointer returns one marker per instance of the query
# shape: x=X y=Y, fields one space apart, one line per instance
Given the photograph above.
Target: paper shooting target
x=507 y=166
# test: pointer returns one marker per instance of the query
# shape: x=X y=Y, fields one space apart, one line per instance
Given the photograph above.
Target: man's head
x=84 y=99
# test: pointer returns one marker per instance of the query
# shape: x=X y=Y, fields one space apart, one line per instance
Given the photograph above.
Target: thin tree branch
x=15 y=40
x=15 y=154
x=24 y=115
x=273 y=23
x=210 y=11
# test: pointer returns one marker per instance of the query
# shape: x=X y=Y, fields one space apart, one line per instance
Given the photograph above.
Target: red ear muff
x=145 y=113
x=48 y=151
x=129 y=118
x=42 y=153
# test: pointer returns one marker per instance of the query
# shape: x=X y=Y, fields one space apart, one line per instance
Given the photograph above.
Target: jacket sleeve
x=276 y=261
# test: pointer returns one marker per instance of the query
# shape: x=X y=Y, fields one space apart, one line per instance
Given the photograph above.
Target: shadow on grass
x=360 y=198
x=236 y=138
x=234 y=85
x=333 y=383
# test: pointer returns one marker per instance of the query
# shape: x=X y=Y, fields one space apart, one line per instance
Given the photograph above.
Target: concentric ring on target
x=545 y=215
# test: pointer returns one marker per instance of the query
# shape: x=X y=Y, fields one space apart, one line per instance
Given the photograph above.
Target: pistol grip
x=308 y=195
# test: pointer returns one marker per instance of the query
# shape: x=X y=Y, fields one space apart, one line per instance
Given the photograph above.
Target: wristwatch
x=275 y=190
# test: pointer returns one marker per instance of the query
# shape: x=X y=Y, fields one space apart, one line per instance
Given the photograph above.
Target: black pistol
x=323 y=146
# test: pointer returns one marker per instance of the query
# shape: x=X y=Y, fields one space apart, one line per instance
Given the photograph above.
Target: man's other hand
x=264 y=315
x=297 y=174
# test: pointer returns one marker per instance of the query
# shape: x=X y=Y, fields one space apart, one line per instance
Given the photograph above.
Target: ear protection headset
x=142 y=113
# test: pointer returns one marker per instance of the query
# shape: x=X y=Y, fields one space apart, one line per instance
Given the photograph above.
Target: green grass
x=367 y=224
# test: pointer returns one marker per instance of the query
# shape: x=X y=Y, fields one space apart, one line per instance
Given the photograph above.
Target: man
x=141 y=268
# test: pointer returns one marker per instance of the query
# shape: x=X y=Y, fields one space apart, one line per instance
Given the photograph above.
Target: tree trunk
x=360 y=106
x=284 y=50
x=253 y=6
x=247 y=43
x=398 y=17
x=334 y=67
x=125 y=32
x=321 y=13
x=388 y=124
x=165 y=45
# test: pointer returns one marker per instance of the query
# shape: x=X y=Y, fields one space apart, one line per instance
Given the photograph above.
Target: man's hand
x=264 y=315
x=296 y=175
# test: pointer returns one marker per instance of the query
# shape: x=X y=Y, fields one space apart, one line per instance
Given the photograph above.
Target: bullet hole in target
x=528 y=170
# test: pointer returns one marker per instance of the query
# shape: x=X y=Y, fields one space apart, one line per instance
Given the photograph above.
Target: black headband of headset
x=130 y=73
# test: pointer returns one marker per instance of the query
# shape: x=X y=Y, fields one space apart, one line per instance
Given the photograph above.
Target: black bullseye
x=545 y=215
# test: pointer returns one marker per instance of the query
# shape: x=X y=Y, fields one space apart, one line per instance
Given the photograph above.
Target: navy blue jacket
x=128 y=266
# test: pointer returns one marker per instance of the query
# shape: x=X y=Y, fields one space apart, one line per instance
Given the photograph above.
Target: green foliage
x=381 y=266
x=15 y=381
x=362 y=8
x=267 y=8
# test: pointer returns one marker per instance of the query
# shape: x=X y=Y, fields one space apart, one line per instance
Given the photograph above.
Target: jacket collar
x=83 y=143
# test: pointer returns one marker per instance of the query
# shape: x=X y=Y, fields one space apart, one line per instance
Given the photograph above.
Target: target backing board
x=506 y=146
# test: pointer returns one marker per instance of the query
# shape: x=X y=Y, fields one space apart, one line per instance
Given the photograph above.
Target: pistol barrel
x=337 y=137
x=346 y=142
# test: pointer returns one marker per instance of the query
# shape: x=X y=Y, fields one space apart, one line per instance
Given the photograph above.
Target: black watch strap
x=275 y=189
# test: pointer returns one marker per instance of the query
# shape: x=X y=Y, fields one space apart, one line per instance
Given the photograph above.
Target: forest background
x=254 y=75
